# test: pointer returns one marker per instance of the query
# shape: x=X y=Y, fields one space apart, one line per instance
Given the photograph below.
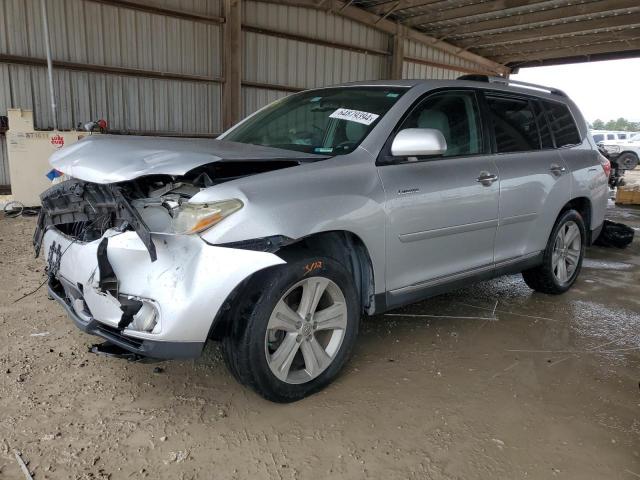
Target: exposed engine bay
x=84 y=211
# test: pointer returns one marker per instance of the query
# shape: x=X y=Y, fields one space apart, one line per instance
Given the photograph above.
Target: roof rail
x=515 y=83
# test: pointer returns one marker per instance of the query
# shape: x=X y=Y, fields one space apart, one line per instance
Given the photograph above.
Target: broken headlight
x=195 y=217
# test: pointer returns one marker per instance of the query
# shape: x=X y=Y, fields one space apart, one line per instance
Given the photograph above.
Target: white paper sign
x=365 y=118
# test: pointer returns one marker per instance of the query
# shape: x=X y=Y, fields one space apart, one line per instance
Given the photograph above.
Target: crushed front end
x=121 y=274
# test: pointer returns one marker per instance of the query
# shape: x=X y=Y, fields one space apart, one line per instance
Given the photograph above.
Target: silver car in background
x=327 y=205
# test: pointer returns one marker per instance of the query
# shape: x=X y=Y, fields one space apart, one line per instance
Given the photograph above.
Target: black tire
x=244 y=347
x=542 y=278
x=627 y=160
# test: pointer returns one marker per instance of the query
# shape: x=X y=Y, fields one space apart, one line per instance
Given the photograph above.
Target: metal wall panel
x=417 y=70
x=201 y=7
x=313 y=23
x=127 y=103
x=255 y=98
x=89 y=32
x=301 y=64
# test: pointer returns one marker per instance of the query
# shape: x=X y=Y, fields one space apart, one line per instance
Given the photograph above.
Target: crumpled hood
x=114 y=158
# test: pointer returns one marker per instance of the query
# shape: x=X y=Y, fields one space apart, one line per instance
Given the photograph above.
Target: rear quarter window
x=563 y=126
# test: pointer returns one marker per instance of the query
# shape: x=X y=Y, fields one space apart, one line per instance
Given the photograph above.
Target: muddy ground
x=517 y=385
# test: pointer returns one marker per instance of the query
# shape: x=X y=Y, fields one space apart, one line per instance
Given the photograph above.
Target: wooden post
x=397 y=57
x=232 y=54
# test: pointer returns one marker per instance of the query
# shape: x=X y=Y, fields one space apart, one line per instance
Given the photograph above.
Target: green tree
x=620 y=124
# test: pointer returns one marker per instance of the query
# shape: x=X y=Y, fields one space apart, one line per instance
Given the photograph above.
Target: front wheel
x=297 y=329
x=562 y=259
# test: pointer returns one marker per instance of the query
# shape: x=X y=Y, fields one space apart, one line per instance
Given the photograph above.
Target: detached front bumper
x=185 y=287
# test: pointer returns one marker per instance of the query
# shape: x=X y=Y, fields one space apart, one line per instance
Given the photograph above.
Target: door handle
x=487 y=178
x=557 y=169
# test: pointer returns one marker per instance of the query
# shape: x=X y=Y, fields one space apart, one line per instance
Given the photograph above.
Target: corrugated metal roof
x=522 y=32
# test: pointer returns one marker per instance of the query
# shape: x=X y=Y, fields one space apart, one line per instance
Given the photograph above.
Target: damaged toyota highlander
x=323 y=207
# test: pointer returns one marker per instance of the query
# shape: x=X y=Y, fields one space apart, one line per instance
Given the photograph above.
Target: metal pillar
x=47 y=46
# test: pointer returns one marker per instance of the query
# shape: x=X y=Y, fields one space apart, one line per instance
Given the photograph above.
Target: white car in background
x=611 y=136
x=624 y=153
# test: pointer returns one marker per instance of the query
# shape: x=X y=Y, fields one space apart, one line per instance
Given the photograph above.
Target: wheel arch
x=350 y=250
x=343 y=246
x=584 y=207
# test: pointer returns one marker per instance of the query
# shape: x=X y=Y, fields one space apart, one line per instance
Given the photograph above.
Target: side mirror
x=418 y=142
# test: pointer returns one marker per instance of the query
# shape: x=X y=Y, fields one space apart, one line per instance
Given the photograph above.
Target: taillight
x=606 y=165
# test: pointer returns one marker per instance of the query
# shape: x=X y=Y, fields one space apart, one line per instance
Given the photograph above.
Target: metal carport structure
x=520 y=33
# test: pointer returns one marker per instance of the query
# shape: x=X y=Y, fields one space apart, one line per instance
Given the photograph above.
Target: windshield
x=635 y=138
x=331 y=121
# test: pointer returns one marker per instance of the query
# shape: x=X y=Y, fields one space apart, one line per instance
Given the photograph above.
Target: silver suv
x=318 y=209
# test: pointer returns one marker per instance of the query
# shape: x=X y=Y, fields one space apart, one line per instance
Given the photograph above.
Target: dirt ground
x=490 y=382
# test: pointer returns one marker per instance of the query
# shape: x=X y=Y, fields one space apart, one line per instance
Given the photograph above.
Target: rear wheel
x=297 y=329
x=562 y=258
x=628 y=160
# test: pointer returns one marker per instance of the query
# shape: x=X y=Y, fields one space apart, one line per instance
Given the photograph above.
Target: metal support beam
x=93 y=68
x=232 y=45
x=316 y=41
x=455 y=68
x=397 y=57
x=155 y=9
x=47 y=47
x=272 y=86
x=383 y=7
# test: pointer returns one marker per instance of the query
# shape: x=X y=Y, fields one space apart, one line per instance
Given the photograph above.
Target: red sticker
x=57 y=141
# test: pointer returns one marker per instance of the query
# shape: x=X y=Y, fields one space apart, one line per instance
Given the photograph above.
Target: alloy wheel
x=566 y=251
x=305 y=330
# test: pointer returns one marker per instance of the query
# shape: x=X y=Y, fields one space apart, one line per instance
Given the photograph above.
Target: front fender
x=339 y=194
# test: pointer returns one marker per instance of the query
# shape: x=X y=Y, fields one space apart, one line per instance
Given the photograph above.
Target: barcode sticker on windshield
x=365 y=118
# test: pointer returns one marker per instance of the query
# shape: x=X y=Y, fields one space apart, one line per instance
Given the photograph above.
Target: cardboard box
x=628 y=195
x=29 y=151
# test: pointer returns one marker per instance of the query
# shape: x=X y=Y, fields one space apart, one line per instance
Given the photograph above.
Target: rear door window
x=546 y=139
x=514 y=124
x=598 y=137
x=563 y=126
